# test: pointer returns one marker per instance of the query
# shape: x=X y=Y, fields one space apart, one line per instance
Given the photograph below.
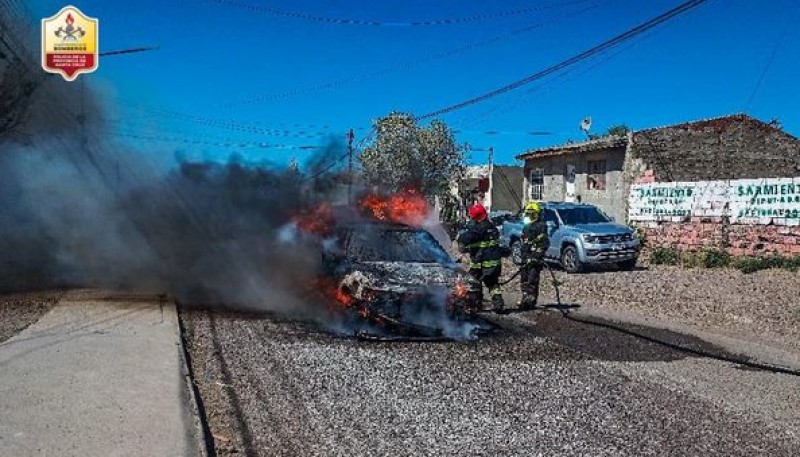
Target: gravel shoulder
x=762 y=307
x=18 y=311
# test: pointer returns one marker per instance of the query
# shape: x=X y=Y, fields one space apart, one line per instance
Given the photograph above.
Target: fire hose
x=566 y=314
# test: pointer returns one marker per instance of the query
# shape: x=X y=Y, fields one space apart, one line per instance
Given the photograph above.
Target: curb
x=205 y=443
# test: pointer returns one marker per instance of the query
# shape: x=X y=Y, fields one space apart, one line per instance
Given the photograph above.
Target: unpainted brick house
x=601 y=171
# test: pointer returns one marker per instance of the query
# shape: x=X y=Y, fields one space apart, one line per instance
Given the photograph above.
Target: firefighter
x=481 y=240
x=535 y=242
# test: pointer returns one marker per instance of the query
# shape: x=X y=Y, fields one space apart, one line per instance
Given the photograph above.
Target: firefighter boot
x=498 y=303
x=527 y=302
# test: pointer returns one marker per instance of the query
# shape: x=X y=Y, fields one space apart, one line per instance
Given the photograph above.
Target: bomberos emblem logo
x=70 y=43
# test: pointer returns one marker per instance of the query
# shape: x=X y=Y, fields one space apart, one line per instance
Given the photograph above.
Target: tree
x=614 y=130
x=618 y=130
x=776 y=123
x=405 y=154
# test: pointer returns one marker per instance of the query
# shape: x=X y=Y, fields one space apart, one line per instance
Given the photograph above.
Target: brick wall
x=737 y=239
x=731 y=147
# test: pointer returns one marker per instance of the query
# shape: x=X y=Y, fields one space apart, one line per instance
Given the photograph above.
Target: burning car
x=399 y=280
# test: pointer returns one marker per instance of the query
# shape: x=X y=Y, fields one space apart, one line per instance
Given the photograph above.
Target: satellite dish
x=586 y=124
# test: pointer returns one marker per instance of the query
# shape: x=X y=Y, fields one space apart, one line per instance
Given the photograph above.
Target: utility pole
x=350 y=137
x=491 y=175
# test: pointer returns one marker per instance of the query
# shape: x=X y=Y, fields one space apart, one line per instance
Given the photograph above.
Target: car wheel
x=627 y=265
x=516 y=252
x=570 y=261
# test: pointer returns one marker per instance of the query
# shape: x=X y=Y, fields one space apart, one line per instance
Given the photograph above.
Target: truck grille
x=606 y=239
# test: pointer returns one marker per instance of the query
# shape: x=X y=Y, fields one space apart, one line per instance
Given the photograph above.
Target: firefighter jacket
x=482 y=241
x=535 y=240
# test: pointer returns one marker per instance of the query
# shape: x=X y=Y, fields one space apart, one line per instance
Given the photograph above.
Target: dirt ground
x=544 y=385
x=763 y=306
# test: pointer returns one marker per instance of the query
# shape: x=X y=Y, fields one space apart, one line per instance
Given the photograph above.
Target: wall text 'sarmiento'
x=745 y=201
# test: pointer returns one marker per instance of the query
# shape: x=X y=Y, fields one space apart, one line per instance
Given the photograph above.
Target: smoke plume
x=79 y=210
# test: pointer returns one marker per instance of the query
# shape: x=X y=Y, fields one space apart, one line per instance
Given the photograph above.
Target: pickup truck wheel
x=516 y=252
x=569 y=260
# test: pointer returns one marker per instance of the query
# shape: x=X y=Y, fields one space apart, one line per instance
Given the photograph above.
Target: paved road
x=542 y=386
x=98 y=375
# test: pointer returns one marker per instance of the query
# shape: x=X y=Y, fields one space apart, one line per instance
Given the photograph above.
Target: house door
x=569 y=183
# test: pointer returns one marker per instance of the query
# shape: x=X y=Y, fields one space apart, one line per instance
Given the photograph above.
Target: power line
x=237 y=126
x=287 y=129
x=763 y=74
x=564 y=75
x=442 y=54
x=502 y=132
x=220 y=143
x=374 y=23
x=328 y=168
x=129 y=51
x=609 y=44
x=346 y=155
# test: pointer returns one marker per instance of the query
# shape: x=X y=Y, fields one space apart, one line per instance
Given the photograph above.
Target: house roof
x=607 y=142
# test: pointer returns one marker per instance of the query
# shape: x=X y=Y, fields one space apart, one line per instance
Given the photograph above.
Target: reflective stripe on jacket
x=482 y=241
x=534 y=237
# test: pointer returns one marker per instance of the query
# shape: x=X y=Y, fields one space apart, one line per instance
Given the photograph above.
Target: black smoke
x=80 y=210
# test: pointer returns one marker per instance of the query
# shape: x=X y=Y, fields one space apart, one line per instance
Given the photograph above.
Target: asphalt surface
x=542 y=385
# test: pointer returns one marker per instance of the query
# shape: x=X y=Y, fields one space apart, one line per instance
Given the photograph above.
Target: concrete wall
x=612 y=200
x=507 y=186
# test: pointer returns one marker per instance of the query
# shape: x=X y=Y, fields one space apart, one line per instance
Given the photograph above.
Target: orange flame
x=317 y=221
x=406 y=207
x=70 y=19
x=330 y=289
x=461 y=290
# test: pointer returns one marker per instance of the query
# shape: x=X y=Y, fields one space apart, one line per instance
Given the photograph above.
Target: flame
x=406 y=207
x=317 y=221
x=461 y=290
x=337 y=298
x=70 y=19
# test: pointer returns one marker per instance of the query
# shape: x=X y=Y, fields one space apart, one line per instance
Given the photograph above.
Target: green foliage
x=721 y=259
x=614 y=130
x=618 y=130
x=664 y=256
x=705 y=259
x=641 y=234
x=716 y=259
x=692 y=259
x=405 y=154
x=753 y=264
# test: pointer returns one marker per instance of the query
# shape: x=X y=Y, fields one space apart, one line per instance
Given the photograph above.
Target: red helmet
x=477 y=212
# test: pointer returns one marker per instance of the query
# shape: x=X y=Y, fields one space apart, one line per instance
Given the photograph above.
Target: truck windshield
x=582 y=215
x=417 y=246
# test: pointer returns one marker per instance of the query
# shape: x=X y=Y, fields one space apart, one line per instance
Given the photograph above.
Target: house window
x=596 y=175
x=537 y=184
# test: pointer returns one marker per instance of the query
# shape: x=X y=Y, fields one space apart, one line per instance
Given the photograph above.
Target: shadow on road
x=607 y=340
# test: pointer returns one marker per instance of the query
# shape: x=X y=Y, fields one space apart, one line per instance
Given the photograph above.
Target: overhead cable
x=431 y=57
x=376 y=23
x=606 y=45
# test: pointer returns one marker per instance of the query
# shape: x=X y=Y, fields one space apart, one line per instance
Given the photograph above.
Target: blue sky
x=219 y=60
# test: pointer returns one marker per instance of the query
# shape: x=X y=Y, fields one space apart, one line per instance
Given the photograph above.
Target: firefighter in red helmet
x=481 y=240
